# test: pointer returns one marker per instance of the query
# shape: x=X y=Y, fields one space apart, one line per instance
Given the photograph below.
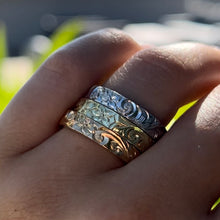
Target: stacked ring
x=101 y=135
x=128 y=109
x=116 y=123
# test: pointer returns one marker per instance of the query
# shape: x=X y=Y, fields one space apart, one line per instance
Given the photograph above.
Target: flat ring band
x=101 y=135
x=115 y=122
x=128 y=109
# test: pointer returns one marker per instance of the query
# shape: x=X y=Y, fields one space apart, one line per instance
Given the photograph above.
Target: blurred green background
x=15 y=71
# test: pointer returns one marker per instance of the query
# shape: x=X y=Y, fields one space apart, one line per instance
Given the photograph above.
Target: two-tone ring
x=115 y=122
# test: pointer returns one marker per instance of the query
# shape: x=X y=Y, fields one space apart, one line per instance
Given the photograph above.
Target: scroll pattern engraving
x=128 y=109
x=115 y=122
x=101 y=135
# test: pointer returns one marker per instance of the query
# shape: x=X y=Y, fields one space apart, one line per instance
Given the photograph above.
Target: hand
x=52 y=173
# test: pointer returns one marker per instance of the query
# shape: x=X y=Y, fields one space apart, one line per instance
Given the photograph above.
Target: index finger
x=34 y=113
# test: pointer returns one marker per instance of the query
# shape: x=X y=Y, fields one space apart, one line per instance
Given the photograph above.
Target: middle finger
x=158 y=79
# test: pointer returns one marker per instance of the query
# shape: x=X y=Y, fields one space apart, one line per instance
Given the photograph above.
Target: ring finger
x=160 y=80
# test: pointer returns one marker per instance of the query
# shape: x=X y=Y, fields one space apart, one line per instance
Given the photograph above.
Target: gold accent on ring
x=115 y=122
x=100 y=134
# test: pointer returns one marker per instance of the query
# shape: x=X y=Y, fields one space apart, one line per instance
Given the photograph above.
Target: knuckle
x=161 y=59
x=215 y=99
x=116 y=36
x=61 y=61
x=73 y=56
x=173 y=61
x=156 y=66
x=158 y=59
x=208 y=116
x=217 y=92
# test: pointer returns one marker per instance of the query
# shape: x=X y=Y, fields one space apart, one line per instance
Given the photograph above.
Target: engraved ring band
x=114 y=122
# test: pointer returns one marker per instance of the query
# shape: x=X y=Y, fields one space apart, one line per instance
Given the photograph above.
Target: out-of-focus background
x=31 y=30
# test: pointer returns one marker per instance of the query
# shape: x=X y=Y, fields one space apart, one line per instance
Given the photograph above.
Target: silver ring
x=128 y=109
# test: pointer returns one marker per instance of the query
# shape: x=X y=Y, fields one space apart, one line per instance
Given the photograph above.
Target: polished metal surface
x=101 y=135
x=128 y=109
x=115 y=122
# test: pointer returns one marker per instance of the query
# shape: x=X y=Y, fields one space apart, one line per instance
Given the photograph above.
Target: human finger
x=34 y=113
x=160 y=80
x=183 y=168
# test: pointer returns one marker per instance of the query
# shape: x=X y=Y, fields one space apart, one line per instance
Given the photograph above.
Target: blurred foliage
x=215 y=205
x=65 y=33
x=68 y=31
x=179 y=113
x=3 y=43
x=4 y=96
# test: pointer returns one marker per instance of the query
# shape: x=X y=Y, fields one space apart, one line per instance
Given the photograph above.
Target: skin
x=48 y=172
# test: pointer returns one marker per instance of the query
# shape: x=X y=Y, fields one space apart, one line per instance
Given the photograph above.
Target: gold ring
x=115 y=122
x=101 y=135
